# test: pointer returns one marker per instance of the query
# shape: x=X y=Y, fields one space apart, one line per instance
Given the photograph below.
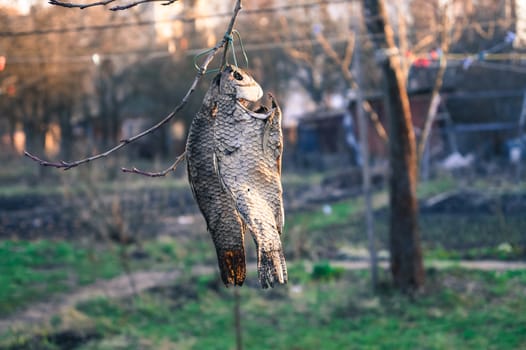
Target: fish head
x=246 y=91
x=236 y=82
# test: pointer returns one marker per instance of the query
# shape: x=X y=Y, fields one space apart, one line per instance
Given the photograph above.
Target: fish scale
x=234 y=168
x=223 y=221
x=248 y=151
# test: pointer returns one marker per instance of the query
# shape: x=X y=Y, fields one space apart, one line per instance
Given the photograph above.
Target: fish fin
x=217 y=171
x=280 y=219
x=266 y=132
x=232 y=266
x=194 y=193
x=271 y=268
x=276 y=145
x=273 y=136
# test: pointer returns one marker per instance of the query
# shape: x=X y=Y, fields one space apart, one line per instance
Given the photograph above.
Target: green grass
x=341 y=212
x=326 y=308
x=459 y=310
x=31 y=270
x=444 y=235
x=34 y=270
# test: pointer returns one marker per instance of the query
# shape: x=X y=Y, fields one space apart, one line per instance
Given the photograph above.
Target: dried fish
x=248 y=151
x=234 y=166
x=223 y=222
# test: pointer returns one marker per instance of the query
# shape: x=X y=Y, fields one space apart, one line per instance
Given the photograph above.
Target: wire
x=251 y=47
x=162 y=53
x=500 y=22
x=179 y=18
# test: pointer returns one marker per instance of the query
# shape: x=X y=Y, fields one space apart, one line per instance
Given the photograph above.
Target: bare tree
x=406 y=255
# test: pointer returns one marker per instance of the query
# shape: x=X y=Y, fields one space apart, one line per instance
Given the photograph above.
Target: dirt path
x=121 y=286
x=482 y=265
x=118 y=287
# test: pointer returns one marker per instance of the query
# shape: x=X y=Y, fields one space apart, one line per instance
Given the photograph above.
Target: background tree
x=405 y=248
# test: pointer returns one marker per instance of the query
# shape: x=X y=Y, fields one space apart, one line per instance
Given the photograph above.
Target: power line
x=178 y=18
x=452 y=57
x=163 y=53
x=187 y=19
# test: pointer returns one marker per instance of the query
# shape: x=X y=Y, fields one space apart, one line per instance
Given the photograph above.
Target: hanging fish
x=234 y=167
x=248 y=149
x=223 y=221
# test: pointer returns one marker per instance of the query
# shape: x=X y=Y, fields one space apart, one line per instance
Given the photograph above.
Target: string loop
x=229 y=44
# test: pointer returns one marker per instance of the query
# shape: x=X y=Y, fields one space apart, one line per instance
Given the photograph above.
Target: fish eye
x=238 y=76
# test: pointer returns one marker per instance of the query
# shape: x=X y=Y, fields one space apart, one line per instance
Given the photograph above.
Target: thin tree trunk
x=12 y=132
x=366 y=174
x=66 y=134
x=406 y=255
x=237 y=319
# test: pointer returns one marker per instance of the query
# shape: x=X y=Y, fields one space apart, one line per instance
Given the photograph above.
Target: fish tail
x=232 y=266
x=271 y=268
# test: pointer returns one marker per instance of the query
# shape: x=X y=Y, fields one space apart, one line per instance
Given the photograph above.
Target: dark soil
x=475 y=203
x=64 y=340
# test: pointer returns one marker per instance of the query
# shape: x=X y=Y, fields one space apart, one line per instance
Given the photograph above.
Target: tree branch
x=107 y=2
x=348 y=76
x=435 y=94
x=202 y=70
x=160 y=173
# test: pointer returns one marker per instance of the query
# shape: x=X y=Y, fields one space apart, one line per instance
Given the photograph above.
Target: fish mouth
x=256 y=109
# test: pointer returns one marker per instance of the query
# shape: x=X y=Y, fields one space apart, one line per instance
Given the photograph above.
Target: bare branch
x=435 y=94
x=327 y=47
x=402 y=34
x=348 y=76
x=107 y=2
x=160 y=173
x=425 y=41
x=300 y=56
x=202 y=70
x=349 y=51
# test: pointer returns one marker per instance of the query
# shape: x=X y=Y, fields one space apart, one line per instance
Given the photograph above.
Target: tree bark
x=406 y=254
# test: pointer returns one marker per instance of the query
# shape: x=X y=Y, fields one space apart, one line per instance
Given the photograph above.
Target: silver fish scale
x=248 y=151
x=223 y=221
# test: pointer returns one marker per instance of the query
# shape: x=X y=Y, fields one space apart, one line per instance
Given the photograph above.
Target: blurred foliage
x=324 y=271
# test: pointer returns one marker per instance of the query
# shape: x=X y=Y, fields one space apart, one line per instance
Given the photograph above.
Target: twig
x=348 y=76
x=435 y=93
x=160 y=173
x=107 y=2
x=202 y=70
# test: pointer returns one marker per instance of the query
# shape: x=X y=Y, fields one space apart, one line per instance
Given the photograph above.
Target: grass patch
x=31 y=270
x=324 y=230
x=459 y=310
